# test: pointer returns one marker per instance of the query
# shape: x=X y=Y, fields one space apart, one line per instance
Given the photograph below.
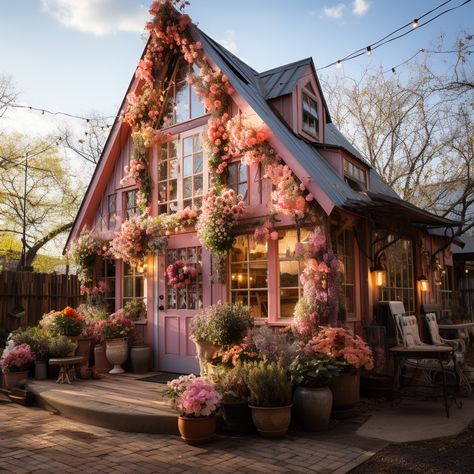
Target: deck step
x=120 y=409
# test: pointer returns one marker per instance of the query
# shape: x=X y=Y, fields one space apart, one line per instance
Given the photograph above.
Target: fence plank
x=37 y=293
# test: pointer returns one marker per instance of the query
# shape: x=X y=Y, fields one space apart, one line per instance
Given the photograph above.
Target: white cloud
x=360 y=7
x=230 y=41
x=97 y=17
x=335 y=12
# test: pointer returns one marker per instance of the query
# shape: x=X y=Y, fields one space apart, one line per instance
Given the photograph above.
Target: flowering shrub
x=67 y=323
x=138 y=235
x=17 y=359
x=217 y=220
x=179 y=220
x=341 y=345
x=135 y=309
x=116 y=326
x=193 y=396
x=310 y=371
x=264 y=233
x=243 y=352
x=61 y=346
x=218 y=145
x=181 y=273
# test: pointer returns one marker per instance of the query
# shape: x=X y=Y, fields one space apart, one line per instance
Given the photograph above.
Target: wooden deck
x=118 y=402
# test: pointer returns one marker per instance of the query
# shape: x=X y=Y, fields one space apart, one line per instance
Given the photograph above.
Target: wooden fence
x=36 y=293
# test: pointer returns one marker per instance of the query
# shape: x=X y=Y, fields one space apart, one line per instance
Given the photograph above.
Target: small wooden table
x=67 y=368
x=457 y=329
x=442 y=354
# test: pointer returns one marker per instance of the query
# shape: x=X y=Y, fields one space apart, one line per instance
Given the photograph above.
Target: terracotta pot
x=237 y=418
x=116 y=351
x=313 y=407
x=102 y=365
x=41 y=370
x=345 y=390
x=195 y=431
x=84 y=348
x=271 y=422
x=15 y=379
x=140 y=357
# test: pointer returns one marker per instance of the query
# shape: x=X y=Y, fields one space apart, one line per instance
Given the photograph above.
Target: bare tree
x=8 y=94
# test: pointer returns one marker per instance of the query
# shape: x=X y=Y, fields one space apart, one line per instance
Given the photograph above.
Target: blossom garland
x=181 y=273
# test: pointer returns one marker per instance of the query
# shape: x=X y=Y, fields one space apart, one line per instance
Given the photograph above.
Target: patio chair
x=430 y=369
x=457 y=344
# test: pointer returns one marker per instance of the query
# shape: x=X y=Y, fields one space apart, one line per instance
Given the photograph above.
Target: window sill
x=141 y=322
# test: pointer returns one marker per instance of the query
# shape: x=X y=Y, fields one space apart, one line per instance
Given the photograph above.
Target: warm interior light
x=379 y=274
x=424 y=286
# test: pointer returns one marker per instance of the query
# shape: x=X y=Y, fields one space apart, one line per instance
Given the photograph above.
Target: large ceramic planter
x=345 y=390
x=195 y=431
x=84 y=348
x=15 y=379
x=101 y=364
x=41 y=370
x=140 y=357
x=312 y=407
x=271 y=422
x=116 y=351
x=237 y=418
x=205 y=352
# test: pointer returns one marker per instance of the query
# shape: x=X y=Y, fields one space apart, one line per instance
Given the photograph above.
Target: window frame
x=238 y=163
x=135 y=274
x=181 y=158
x=306 y=93
x=111 y=217
x=347 y=165
x=127 y=211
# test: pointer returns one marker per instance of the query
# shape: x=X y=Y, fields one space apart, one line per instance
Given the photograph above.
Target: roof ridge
x=294 y=63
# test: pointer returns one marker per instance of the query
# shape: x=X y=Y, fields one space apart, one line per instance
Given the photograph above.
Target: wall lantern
x=379 y=273
x=424 y=285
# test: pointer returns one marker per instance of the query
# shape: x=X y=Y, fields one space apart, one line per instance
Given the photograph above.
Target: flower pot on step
x=312 y=407
x=140 y=357
x=271 y=422
x=116 y=351
x=14 y=379
x=237 y=418
x=102 y=365
x=345 y=390
x=198 y=430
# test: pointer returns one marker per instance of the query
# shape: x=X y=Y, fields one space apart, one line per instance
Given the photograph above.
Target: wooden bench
x=67 y=368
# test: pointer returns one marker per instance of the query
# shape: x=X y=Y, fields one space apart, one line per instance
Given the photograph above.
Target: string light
x=415 y=23
x=398 y=33
x=339 y=64
x=369 y=50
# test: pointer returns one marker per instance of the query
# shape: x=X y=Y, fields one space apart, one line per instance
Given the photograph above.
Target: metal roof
x=282 y=80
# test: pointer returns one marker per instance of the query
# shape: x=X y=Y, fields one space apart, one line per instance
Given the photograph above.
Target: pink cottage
x=221 y=169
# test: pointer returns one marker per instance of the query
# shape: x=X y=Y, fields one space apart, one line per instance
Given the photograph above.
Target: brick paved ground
x=33 y=440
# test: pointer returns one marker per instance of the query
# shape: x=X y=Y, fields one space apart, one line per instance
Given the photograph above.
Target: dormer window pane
x=310 y=115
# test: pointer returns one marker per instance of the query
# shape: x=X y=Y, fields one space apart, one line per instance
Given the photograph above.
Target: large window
x=111 y=211
x=168 y=178
x=237 y=178
x=343 y=247
x=109 y=280
x=130 y=203
x=445 y=285
x=192 y=171
x=183 y=103
x=310 y=115
x=133 y=283
x=355 y=175
x=189 y=297
x=399 y=275
x=249 y=275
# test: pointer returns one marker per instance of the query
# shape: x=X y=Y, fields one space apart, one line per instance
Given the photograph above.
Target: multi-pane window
x=289 y=270
x=445 y=285
x=133 y=283
x=237 y=178
x=249 y=275
x=189 y=297
x=109 y=280
x=343 y=247
x=111 y=211
x=168 y=178
x=183 y=103
x=192 y=171
x=310 y=115
x=130 y=203
x=400 y=285
x=356 y=173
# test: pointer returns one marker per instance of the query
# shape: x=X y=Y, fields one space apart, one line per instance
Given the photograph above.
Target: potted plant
x=352 y=354
x=197 y=400
x=61 y=346
x=312 y=397
x=115 y=331
x=14 y=363
x=67 y=323
x=270 y=397
x=219 y=326
x=235 y=410
x=39 y=343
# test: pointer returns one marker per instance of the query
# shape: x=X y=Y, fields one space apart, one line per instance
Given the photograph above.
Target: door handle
x=161 y=307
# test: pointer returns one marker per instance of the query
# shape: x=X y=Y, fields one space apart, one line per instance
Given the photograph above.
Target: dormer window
x=310 y=115
x=355 y=176
x=183 y=103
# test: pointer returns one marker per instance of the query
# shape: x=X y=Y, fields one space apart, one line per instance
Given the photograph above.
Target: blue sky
x=79 y=55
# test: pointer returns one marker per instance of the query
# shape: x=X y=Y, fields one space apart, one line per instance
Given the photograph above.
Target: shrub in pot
x=61 y=346
x=135 y=309
x=312 y=397
x=196 y=400
x=67 y=323
x=270 y=390
x=15 y=362
x=39 y=343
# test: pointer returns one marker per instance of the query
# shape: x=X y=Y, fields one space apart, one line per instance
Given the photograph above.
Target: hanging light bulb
x=369 y=50
x=415 y=23
x=339 y=64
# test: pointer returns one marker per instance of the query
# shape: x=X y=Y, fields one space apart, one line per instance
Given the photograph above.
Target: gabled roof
x=283 y=79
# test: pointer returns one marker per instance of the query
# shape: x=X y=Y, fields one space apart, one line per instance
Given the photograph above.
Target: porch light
x=379 y=271
x=424 y=286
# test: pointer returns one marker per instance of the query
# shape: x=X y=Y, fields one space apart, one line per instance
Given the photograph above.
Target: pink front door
x=176 y=307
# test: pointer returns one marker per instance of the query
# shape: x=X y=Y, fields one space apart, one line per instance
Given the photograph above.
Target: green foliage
x=231 y=383
x=312 y=371
x=93 y=313
x=66 y=326
x=135 y=309
x=61 y=346
x=269 y=384
x=223 y=324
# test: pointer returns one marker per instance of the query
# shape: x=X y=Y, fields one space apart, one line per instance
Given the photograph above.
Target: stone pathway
x=33 y=440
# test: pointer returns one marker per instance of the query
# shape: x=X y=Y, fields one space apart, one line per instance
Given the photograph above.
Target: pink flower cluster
x=17 y=359
x=265 y=233
x=216 y=222
x=181 y=273
x=199 y=398
x=187 y=217
x=218 y=144
x=93 y=290
x=133 y=172
x=342 y=346
x=213 y=88
x=116 y=326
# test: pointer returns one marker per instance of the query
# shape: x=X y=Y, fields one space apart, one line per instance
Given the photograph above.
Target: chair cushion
x=433 y=328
